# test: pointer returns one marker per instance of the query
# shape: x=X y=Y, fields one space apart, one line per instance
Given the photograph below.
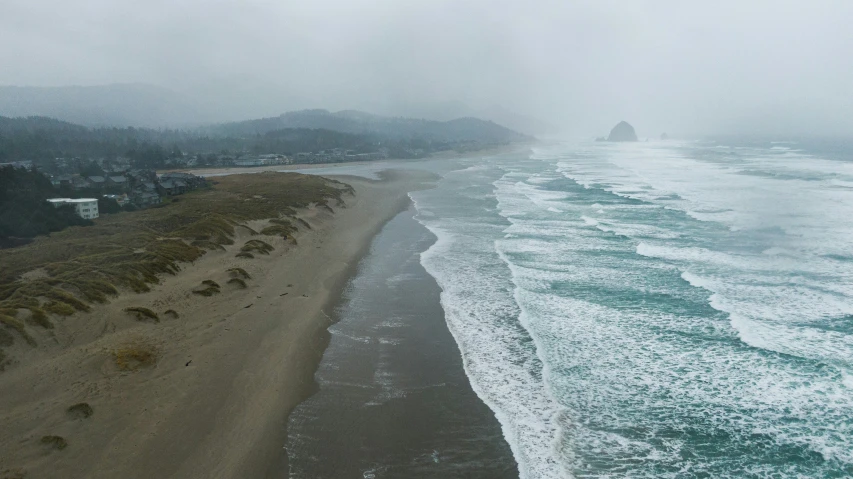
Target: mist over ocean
x=664 y=309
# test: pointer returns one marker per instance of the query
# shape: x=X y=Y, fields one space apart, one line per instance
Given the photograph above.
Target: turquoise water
x=666 y=309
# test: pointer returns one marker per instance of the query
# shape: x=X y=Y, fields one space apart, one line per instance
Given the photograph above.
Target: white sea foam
x=655 y=335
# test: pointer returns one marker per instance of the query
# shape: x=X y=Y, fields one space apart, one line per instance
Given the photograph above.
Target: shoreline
x=391 y=162
x=229 y=371
x=393 y=398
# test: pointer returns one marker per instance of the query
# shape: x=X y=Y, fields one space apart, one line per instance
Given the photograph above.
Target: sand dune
x=205 y=394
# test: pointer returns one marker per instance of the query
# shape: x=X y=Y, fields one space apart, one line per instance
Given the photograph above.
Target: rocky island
x=622 y=132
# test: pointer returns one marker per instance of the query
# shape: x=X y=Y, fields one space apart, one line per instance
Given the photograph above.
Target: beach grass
x=130 y=251
x=143 y=313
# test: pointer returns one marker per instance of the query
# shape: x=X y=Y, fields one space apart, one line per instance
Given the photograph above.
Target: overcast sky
x=686 y=67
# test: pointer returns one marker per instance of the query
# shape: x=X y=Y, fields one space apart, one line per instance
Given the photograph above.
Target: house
x=173 y=187
x=78 y=182
x=117 y=181
x=189 y=181
x=97 y=181
x=86 y=208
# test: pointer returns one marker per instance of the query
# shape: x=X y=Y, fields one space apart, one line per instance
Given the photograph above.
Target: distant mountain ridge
x=358 y=122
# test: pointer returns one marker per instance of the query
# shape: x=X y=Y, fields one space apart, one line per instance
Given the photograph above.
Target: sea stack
x=622 y=132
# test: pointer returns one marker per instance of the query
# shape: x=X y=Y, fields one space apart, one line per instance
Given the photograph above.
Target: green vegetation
x=129 y=251
x=172 y=314
x=244 y=254
x=55 y=442
x=143 y=313
x=24 y=213
x=238 y=282
x=80 y=410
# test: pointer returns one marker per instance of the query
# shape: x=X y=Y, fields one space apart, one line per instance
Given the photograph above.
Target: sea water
x=665 y=309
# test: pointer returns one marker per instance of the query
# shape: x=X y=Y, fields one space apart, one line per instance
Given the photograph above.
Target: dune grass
x=143 y=313
x=256 y=246
x=130 y=251
x=211 y=288
x=244 y=254
x=172 y=314
x=238 y=282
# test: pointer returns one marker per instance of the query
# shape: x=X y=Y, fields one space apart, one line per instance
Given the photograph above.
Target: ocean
x=662 y=309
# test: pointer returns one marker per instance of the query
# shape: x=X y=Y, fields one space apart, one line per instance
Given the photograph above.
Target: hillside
x=357 y=122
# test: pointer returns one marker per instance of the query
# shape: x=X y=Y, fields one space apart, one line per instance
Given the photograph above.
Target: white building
x=86 y=208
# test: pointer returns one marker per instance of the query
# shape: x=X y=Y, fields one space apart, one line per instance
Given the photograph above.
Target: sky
x=685 y=67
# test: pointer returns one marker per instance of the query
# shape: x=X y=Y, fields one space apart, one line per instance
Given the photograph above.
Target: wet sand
x=392 y=398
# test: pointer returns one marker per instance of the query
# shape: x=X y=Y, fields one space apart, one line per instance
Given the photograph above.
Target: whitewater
x=664 y=309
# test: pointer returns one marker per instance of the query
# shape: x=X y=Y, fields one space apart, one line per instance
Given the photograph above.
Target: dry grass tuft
x=211 y=289
x=238 y=282
x=172 y=314
x=257 y=246
x=143 y=313
x=80 y=411
x=244 y=254
x=135 y=356
x=56 y=442
x=239 y=273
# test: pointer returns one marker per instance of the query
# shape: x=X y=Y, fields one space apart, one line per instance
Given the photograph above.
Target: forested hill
x=43 y=139
x=357 y=122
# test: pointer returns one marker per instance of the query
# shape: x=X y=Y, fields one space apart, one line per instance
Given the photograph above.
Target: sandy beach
x=228 y=370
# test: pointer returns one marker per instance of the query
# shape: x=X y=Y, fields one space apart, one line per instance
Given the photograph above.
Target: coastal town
x=117 y=179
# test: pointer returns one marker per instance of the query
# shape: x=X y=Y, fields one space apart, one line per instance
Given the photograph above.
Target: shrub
x=143 y=313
